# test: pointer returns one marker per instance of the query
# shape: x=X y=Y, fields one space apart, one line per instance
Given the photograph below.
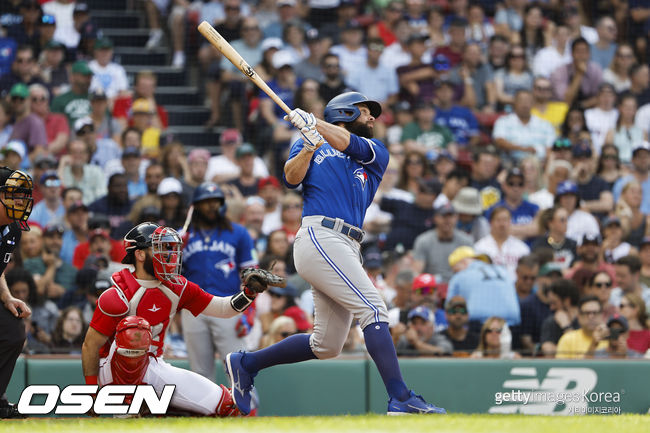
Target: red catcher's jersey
x=157 y=303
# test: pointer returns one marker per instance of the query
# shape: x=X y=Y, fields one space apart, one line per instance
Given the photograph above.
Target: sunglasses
x=614 y=157
x=17 y=98
x=590 y=313
x=603 y=285
x=424 y=290
x=331 y=65
x=85 y=131
x=292 y=206
x=52 y=183
x=495 y=331
x=38 y=99
x=48 y=19
x=562 y=143
x=287 y=334
x=515 y=184
x=457 y=310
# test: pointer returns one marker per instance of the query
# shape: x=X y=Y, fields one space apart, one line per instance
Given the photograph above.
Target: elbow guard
x=240 y=301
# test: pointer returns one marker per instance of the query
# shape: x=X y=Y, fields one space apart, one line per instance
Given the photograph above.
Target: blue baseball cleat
x=241 y=382
x=414 y=405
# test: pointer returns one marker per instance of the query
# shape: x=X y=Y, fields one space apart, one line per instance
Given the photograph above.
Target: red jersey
x=153 y=300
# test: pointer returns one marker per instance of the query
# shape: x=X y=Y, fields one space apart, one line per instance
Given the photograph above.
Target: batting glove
x=301 y=119
x=312 y=139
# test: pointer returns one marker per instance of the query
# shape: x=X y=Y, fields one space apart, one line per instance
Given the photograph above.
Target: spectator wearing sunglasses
x=634 y=310
x=490 y=340
x=583 y=342
x=56 y=125
x=600 y=285
x=457 y=332
x=420 y=337
x=281 y=328
x=28 y=127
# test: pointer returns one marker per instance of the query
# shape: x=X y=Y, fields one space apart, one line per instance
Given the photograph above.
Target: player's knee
x=326 y=351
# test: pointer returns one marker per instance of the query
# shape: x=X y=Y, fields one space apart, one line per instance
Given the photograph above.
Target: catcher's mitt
x=258 y=280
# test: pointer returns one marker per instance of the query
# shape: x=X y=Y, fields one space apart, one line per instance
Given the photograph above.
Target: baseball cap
x=550 y=268
x=83 y=122
x=417 y=37
x=372 y=259
x=169 y=185
x=430 y=186
x=582 y=149
x=45 y=161
x=98 y=232
x=299 y=317
x=269 y=180
x=142 y=105
x=468 y=201
x=103 y=43
x=514 y=172
x=445 y=209
x=230 y=136
x=566 y=187
x=269 y=43
x=245 y=149
x=402 y=106
x=49 y=20
x=81 y=67
x=100 y=286
x=20 y=90
x=617 y=318
x=97 y=94
x=643 y=145
x=17 y=146
x=281 y=3
x=76 y=206
x=54 y=229
x=52 y=176
x=281 y=59
x=611 y=220
x=422 y=312
x=198 y=154
x=424 y=281
x=591 y=238
x=130 y=151
x=54 y=45
x=80 y=7
x=441 y=62
x=352 y=25
x=312 y=35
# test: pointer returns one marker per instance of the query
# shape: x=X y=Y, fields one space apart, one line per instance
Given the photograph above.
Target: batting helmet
x=138 y=238
x=208 y=190
x=343 y=108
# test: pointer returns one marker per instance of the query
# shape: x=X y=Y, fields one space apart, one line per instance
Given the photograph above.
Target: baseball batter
x=124 y=343
x=340 y=166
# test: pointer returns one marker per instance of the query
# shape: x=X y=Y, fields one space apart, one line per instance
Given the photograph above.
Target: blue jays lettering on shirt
x=342 y=184
x=212 y=259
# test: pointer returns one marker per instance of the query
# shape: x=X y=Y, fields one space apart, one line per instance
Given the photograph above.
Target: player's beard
x=360 y=129
x=205 y=220
x=148 y=265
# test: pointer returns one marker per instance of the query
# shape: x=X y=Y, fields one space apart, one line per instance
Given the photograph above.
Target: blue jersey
x=460 y=121
x=522 y=215
x=212 y=258
x=342 y=184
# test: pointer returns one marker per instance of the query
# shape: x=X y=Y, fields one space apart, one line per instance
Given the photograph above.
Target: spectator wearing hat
x=484 y=172
x=579 y=222
x=46 y=28
x=116 y=204
x=470 y=213
x=628 y=271
x=583 y=342
x=603 y=116
x=13 y=154
x=309 y=67
x=283 y=303
x=246 y=182
x=62 y=10
x=614 y=246
x=75 y=170
x=432 y=248
x=172 y=209
x=332 y=83
x=51 y=207
x=42 y=163
x=270 y=190
x=75 y=103
x=88 y=31
x=617 y=336
x=142 y=118
x=420 y=337
x=56 y=125
x=53 y=276
x=544 y=107
x=376 y=81
x=474 y=78
x=563 y=297
x=640 y=173
x=500 y=245
x=102 y=150
x=410 y=218
x=553 y=224
x=590 y=250
x=634 y=310
x=426 y=291
x=224 y=167
x=522 y=211
x=577 y=82
x=460 y=120
x=462 y=339
x=28 y=127
x=417 y=78
x=426 y=136
x=144 y=87
x=53 y=70
x=520 y=133
x=457 y=40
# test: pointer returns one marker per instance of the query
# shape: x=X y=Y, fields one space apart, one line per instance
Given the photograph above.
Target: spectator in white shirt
x=580 y=223
x=377 y=82
x=603 y=116
x=351 y=52
x=557 y=54
x=108 y=75
x=224 y=167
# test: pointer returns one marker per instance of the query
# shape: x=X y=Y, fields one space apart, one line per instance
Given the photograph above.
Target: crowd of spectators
x=513 y=218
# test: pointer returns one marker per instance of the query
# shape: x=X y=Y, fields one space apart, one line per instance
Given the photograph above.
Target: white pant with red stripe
x=193 y=392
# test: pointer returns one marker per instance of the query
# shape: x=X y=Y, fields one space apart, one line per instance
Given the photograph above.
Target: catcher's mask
x=17 y=198
x=166 y=245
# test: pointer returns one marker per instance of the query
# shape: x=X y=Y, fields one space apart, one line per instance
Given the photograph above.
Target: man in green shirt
x=424 y=135
x=75 y=103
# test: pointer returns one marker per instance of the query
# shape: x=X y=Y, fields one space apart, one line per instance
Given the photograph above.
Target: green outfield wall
x=460 y=385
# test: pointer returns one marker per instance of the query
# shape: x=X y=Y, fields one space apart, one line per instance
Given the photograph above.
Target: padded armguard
x=113 y=303
x=240 y=301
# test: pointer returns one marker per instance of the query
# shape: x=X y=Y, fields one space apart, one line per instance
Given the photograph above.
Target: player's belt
x=345 y=228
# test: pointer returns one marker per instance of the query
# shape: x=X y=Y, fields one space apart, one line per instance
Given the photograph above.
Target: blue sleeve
x=361 y=149
x=295 y=150
x=473 y=123
x=245 y=250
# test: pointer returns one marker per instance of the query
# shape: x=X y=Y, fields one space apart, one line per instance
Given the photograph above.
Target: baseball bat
x=188 y=219
x=236 y=59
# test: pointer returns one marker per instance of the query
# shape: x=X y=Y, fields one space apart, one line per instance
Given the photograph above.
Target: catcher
x=124 y=343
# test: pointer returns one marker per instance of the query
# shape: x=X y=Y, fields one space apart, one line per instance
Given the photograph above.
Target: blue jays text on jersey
x=342 y=184
x=212 y=258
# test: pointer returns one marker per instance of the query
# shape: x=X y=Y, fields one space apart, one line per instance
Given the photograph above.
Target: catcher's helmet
x=208 y=190
x=343 y=108
x=138 y=238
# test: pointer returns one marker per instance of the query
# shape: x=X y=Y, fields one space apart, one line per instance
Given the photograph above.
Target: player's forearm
x=336 y=136
x=220 y=307
x=4 y=289
x=296 y=168
x=89 y=360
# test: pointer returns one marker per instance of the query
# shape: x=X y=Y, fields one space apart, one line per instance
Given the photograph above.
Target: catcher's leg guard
x=226 y=406
x=131 y=359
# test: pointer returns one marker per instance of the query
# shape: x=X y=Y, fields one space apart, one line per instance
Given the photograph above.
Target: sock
x=292 y=349
x=380 y=347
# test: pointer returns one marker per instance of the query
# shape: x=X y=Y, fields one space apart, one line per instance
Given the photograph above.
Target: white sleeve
x=219 y=307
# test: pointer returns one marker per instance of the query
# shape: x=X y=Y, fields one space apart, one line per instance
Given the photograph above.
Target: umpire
x=16 y=199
